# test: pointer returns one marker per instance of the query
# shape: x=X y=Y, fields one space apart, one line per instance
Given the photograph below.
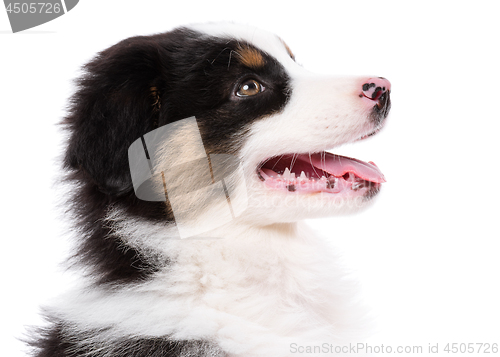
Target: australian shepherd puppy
x=193 y=156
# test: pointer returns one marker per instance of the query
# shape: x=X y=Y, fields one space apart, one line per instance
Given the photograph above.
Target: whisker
x=230 y=54
x=226 y=48
x=323 y=159
x=294 y=158
x=277 y=161
x=314 y=168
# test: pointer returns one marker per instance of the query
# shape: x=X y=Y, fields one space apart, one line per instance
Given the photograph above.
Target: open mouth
x=321 y=172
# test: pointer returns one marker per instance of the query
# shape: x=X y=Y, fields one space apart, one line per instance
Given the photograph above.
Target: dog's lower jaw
x=268 y=206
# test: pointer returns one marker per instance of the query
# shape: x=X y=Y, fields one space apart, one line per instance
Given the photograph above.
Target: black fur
x=132 y=88
x=126 y=91
x=61 y=341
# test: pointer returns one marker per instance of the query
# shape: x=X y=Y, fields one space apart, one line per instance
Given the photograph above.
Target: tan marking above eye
x=249 y=88
x=250 y=57
x=288 y=49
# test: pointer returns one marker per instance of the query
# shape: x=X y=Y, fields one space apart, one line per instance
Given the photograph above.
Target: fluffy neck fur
x=260 y=283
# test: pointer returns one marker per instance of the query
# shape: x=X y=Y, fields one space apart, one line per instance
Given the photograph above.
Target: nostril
x=376 y=97
x=374 y=88
x=374 y=93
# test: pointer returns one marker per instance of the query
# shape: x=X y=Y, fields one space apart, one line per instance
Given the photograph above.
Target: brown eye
x=249 y=87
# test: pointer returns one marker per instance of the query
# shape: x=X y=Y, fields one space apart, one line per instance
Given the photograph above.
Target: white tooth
x=286 y=174
x=292 y=175
x=356 y=185
x=303 y=176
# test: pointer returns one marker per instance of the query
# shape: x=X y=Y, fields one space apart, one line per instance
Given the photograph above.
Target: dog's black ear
x=117 y=101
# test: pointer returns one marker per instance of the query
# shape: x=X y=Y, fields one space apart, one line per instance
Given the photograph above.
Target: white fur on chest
x=246 y=292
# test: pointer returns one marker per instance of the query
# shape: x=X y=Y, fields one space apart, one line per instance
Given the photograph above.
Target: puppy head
x=251 y=101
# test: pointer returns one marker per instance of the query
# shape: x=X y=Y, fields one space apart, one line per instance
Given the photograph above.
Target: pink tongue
x=338 y=165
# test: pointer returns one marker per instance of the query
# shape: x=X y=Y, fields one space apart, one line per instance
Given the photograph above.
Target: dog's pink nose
x=374 y=88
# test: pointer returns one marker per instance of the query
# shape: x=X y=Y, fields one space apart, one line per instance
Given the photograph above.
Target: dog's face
x=250 y=99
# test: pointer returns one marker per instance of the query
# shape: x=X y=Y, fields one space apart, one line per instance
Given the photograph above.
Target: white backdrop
x=426 y=253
